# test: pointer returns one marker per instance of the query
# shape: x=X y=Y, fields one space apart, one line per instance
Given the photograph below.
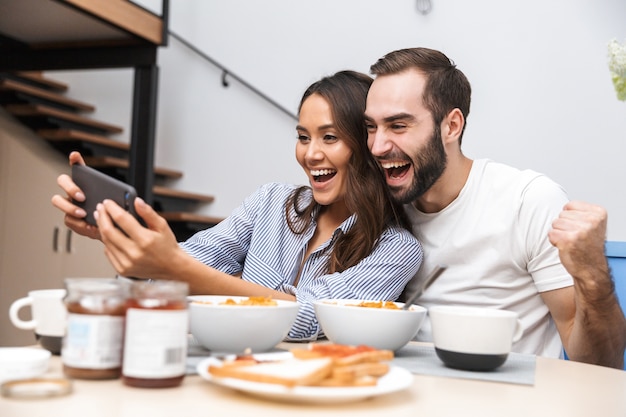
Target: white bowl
x=235 y=328
x=22 y=363
x=344 y=322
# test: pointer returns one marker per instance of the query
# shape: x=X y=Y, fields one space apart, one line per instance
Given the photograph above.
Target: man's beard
x=428 y=166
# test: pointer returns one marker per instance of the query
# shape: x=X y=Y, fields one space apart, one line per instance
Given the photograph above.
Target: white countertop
x=561 y=388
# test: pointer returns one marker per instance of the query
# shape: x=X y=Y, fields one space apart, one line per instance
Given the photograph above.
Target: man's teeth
x=389 y=165
x=319 y=172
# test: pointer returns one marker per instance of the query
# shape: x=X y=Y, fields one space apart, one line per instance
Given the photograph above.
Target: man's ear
x=452 y=126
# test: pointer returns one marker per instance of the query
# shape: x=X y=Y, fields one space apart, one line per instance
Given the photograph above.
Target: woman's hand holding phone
x=132 y=249
x=74 y=215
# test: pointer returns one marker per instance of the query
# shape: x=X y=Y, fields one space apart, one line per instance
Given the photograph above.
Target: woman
x=340 y=237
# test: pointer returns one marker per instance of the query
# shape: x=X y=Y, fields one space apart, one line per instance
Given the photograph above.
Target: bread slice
x=363 y=381
x=328 y=365
x=365 y=357
x=359 y=370
x=344 y=355
x=290 y=372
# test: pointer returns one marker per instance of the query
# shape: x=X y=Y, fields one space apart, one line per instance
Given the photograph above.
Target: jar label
x=93 y=341
x=155 y=344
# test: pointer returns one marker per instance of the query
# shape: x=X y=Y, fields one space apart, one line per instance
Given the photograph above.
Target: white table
x=562 y=388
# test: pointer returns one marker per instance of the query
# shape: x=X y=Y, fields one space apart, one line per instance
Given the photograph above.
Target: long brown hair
x=446 y=87
x=368 y=196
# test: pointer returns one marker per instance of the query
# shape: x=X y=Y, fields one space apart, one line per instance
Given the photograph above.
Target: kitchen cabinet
x=37 y=250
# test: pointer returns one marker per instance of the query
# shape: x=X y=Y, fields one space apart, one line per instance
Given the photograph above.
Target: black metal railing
x=227 y=73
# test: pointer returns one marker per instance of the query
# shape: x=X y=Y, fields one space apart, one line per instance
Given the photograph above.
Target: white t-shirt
x=494 y=239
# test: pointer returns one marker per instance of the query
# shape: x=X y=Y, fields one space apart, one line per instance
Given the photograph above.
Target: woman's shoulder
x=278 y=187
x=400 y=234
x=272 y=195
x=275 y=189
x=401 y=245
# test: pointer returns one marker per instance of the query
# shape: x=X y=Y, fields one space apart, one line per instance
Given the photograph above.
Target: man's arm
x=588 y=316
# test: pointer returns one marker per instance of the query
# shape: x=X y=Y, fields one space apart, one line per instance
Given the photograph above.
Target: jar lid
x=159 y=289
x=96 y=285
x=22 y=362
x=36 y=388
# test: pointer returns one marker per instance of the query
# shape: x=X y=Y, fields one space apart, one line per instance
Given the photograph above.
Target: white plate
x=395 y=380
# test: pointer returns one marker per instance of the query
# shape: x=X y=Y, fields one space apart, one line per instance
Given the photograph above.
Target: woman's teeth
x=318 y=172
x=320 y=175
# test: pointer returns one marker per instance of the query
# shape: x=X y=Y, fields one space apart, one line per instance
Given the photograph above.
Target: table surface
x=561 y=388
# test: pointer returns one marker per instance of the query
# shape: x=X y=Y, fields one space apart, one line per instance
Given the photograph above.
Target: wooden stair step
x=19 y=89
x=190 y=217
x=37 y=78
x=62 y=135
x=41 y=111
x=88 y=144
x=103 y=162
x=160 y=191
x=184 y=224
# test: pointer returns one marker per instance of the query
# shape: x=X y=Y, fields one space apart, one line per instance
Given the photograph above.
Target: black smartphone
x=98 y=186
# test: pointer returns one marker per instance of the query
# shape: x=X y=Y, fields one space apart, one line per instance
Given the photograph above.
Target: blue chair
x=616 y=255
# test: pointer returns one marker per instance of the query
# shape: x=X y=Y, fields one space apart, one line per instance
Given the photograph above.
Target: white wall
x=543 y=97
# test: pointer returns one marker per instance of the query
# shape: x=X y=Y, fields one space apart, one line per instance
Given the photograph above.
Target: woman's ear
x=452 y=126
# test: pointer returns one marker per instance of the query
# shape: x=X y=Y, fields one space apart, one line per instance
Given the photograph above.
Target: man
x=489 y=223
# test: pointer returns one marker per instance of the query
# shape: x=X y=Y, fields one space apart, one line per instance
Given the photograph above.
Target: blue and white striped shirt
x=256 y=242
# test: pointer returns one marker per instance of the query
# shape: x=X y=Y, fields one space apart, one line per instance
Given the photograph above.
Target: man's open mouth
x=396 y=169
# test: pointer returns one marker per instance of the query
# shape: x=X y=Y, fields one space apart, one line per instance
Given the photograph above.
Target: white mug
x=475 y=338
x=49 y=316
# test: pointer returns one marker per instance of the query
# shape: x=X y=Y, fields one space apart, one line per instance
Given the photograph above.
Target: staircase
x=41 y=104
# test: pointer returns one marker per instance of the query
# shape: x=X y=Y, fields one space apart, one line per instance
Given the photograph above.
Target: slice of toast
x=290 y=372
x=352 y=365
x=344 y=355
x=363 y=381
x=328 y=365
x=359 y=370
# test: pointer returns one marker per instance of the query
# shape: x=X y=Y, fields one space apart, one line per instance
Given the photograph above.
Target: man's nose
x=379 y=143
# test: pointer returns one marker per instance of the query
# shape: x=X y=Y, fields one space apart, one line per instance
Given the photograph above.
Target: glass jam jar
x=93 y=342
x=155 y=342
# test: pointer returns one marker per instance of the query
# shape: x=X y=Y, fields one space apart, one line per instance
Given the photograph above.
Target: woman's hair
x=446 y=87
x=367 y=194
